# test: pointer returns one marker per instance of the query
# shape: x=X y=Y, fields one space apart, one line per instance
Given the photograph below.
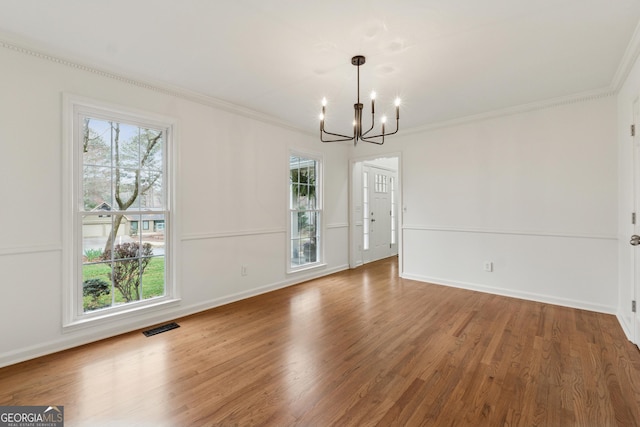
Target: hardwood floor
x=361 y=347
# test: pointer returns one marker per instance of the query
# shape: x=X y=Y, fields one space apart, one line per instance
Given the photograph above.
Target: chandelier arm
x=387 y=133
x=340 y=137
x=372 y=141
x=324 y=132
x=373 y=119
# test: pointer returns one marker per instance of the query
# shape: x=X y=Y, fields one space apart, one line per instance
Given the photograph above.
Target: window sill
x=137 y=311
x=306 y=268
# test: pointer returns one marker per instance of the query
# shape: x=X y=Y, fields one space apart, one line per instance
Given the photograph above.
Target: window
x=365 y=210
x=381 y=183
x=119 y=180
x=305 y=212
x=393 y=211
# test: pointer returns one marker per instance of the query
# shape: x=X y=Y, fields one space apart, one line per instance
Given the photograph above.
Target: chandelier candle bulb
x=324 y=103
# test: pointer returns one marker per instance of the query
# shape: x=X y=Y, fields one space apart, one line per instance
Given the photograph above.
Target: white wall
x=535 y=193
x=231 y=189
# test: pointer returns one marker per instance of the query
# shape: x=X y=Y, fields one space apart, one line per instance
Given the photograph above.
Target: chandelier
x=358 y=134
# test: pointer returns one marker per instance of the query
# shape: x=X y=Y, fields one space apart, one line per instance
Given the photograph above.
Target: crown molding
x=32 y=49
x=517 y=109
x=26 y=48
x=628 y=61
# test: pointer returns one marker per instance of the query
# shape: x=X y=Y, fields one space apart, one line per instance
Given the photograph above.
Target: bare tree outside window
x=122 y=187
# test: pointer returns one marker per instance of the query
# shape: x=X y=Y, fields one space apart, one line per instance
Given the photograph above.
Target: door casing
x=355 y=205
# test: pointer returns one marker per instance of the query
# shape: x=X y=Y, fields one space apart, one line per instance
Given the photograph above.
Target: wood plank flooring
x=358 y=348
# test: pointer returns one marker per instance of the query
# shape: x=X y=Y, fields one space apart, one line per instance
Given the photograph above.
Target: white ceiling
x=446 y=59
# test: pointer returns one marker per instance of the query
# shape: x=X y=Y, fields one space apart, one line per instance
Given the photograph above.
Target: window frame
x=74 y=109
x=320 y=230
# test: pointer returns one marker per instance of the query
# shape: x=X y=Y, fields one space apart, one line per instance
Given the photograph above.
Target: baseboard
x=68 y=342
x=217 y=302
x=626 y=328
x=90 y=335
x=529 y=296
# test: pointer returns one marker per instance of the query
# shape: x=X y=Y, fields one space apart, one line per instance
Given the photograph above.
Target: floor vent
x=161 y=329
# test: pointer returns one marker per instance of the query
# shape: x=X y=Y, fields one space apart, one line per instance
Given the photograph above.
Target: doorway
x=374 y=209
x=377 y=213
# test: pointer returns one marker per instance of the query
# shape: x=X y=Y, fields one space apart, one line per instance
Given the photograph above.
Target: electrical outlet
x=488 y=266
x=243 y=270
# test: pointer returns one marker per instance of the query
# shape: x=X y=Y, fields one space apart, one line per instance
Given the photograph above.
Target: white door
x=377 y=214
x=635 y=238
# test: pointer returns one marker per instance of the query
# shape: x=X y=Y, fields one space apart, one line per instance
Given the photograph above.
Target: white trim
x=354 y=232
x=624 y=304
x=228 y=299
x=384 y=168
x=69 y=166
x=626 y=328
x=227 y=234
x=338 y=225
x=129 y=311
x=373 y=157
x=628 y=61
x=510 y=232
x=146 y=83
x=104 y=109
x=22 y=250
x=517 y=109
x=530 y=296
x=306 y=268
